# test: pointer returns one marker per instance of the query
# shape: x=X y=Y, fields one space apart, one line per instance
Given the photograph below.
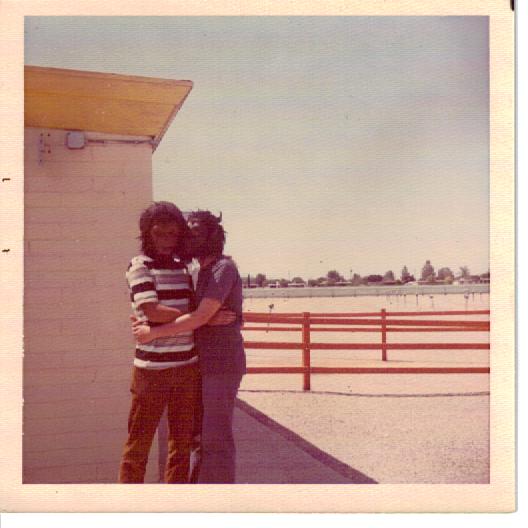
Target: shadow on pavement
x=269 y=453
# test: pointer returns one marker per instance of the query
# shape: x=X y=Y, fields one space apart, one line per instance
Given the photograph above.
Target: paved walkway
x=269 y=453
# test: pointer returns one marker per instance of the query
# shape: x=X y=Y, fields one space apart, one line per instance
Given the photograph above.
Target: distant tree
x=312 y=283
x=427 y=271
x=374 y=278
x=364 y=281
x=485 y=275
x=405 y=274
x=335 y=276
x=321 y=280
x=283 y=283
x=260 y=279
x=389 y=276
x=298 y=280
x=464 y=272
x=444 y=273
x=356 y=279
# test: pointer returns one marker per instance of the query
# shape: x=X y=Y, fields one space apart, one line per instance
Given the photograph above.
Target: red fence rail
x=380 y=322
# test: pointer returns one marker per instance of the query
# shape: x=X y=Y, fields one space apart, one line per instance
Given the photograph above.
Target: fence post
x=383 y=334
x=306 y=350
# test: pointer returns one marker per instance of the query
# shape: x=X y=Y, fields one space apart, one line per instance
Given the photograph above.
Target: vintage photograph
x=257 y=251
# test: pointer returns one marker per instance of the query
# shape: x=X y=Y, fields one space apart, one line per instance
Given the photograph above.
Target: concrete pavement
x=269 y=453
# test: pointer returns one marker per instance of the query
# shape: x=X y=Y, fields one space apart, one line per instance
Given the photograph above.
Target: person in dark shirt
x=221 y=348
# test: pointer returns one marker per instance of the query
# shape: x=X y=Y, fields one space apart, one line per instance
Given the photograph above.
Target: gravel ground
x=392 y=428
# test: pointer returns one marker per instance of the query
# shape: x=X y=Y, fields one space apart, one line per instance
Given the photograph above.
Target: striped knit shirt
x=162 y=280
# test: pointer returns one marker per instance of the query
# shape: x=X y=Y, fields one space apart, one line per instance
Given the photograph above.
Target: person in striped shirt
x=166 y=370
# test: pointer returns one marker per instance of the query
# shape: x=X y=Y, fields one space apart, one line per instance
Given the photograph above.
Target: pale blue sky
x=327 y=142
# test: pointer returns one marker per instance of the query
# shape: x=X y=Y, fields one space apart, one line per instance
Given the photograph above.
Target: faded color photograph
x=256 y=250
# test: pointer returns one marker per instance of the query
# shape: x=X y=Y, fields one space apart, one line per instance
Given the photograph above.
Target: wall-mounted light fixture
x=75 y=140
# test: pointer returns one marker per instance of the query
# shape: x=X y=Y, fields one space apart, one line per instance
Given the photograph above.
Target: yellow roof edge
x=121 y=78
x=159 y=137
x=102 y=75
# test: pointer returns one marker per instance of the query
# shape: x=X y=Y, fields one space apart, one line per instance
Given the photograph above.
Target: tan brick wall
x=81 y=214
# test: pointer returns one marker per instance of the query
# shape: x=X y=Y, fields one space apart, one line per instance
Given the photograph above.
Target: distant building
x=472 y=279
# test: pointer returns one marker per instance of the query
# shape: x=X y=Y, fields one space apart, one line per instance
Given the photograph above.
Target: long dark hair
x=216 y=235
x=161 y=213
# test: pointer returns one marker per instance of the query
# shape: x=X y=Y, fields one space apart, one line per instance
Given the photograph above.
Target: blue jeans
x=217 y=465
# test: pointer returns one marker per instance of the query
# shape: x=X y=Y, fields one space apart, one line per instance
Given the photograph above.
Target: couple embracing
x=189 y=355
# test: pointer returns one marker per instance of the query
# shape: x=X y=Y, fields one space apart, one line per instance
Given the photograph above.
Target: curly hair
x=160 y=212
x=216 y=234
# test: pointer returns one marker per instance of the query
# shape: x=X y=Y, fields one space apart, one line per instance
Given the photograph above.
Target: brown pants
x=178 y=389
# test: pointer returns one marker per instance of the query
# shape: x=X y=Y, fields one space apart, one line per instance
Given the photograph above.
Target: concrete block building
x=89 y=141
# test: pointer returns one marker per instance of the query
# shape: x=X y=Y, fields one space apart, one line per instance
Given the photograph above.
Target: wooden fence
x=382 y=323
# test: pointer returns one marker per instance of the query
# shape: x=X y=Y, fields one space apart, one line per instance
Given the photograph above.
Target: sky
x=356 y=144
